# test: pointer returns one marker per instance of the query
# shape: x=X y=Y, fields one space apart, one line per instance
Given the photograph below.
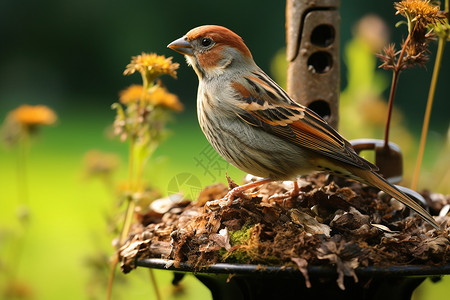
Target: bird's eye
x=206 y=42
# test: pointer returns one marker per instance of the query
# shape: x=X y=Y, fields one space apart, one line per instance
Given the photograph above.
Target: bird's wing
x=266 y=105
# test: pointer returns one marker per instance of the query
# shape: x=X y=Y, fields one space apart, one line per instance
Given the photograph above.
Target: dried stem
x=395 y=76
x=390 y=106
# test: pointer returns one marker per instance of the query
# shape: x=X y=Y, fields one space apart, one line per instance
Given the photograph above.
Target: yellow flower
x=420 y=12
x=131 y=94
x=25 y=120
x=151 y=66
x=28 y=115
x=157 y=96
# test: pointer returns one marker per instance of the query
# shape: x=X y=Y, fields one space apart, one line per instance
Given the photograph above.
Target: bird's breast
x=246 y=147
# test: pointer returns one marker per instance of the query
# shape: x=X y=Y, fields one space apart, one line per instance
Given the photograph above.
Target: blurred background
x=70 y=56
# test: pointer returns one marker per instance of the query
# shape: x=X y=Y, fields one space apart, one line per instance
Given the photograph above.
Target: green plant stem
x=112 y=275
x=134 y=185
x=140 y=168
x=23 y=202
x=22 y=168
x=127 y=220
x=426 y=120
x=139 y=173
x=130 y=201
x=395 y=76
x=155 y=285
x=131 y=161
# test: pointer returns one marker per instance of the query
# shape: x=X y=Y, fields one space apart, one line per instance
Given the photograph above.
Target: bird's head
x=211 y=49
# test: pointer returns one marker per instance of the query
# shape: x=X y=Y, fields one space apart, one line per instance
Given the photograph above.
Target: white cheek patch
x=189 y=60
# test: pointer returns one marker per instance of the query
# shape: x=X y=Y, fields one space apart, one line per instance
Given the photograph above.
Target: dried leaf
x=340 y=253
x=310 y=224
x=342 y=225
x=302 y=265
x=222 y=239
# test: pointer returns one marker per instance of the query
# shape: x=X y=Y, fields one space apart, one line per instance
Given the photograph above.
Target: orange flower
x=131 y=94
x=28 y=115
x=161 y=97
x=157 y=96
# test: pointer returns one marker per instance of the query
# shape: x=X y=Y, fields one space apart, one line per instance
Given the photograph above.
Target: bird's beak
x=181 y=45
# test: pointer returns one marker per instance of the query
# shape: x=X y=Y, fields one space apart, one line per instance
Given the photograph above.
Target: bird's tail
x=377 y=181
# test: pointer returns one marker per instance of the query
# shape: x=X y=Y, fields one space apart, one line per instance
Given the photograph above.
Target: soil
x=340 y=223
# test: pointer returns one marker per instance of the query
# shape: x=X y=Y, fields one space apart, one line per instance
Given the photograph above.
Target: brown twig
x=395 y=76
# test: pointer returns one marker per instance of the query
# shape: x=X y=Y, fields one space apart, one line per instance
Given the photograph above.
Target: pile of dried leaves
x=343 y=224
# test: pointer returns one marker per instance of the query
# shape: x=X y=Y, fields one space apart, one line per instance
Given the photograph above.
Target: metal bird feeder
x=236 y=282
x=388 y=159
x=312 y=33
x=314 y=81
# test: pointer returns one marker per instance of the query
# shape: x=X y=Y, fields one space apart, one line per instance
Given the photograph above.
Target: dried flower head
x=389 y=57
x=151 y=66
x=420 y=39
x=420 y=12
x=28 y=115
x=421 y=15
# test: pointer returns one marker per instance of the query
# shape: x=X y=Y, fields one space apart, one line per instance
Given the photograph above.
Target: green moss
x=242 y=235
x=238 y=237
x=248 y=252
x=238 y=256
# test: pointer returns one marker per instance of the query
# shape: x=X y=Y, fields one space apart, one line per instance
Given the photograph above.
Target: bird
x=257 y=127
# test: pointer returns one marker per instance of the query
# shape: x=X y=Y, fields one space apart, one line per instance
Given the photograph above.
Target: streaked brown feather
x=297 y=124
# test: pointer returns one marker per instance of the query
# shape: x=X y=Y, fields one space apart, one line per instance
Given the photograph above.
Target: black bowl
x=245 y=281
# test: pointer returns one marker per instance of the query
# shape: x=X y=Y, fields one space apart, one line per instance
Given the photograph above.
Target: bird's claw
x=226 y=201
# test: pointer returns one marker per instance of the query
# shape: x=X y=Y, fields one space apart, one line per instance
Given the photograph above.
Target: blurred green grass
x=68 y=213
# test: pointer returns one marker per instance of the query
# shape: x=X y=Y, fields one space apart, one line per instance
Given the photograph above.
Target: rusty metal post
x=312 y=33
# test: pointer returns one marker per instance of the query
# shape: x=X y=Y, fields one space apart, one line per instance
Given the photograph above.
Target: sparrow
x=255 y=126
